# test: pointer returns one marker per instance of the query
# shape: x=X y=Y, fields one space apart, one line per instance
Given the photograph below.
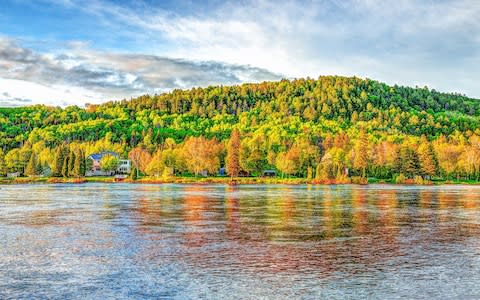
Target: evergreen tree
x=71 y=163
x=360 y=161
x=83 y=163
x=60 y=154
x=428 y=159
x=33 y=167
x=77 y=165
x=133 y=174
x=3 y=166
x=233 y=154
x=65 y=165
x=407 y=162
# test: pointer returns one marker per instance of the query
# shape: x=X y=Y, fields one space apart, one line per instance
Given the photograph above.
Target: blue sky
x=64 y=52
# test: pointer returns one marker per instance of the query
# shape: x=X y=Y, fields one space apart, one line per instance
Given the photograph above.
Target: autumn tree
x=233 y=154
x=140 y=158
x=202 y=155
x=33 y=168
x=289 y=162
x=361 y=159
x=156 y=166
x=427 y=158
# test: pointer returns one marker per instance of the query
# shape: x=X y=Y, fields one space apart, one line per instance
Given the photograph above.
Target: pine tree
x=77 y=165
x=65 y=166
x=3 y=166
x=428 y=159
x=133 y=174
x=360 y=161
x=71 y=163
x=83 y=163
x=233 y=154
x=407 y=162
x=32 y=168
x=60 y=154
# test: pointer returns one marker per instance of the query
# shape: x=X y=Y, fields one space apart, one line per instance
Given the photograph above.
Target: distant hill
x=271 y=116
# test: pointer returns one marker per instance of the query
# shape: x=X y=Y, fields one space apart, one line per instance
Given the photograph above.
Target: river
x=133 y=241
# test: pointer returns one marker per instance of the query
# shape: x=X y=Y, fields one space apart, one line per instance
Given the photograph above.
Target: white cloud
x=411 y=42
x=80 y=75
x=407 y=42
x=19 y=92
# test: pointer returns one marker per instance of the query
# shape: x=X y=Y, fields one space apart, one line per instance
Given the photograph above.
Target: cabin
x=124 y=165
x=269 y=173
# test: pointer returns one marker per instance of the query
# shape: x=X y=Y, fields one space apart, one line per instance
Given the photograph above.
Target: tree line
x=331 y=128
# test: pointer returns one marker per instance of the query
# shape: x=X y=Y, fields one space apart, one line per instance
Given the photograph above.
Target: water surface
x=122 y=241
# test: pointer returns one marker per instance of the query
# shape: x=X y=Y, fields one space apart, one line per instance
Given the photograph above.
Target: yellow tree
x=140 y=158
x=360 y=160
x=427 y=157
x=288 y=162
x=201 y=155
x=233 y=154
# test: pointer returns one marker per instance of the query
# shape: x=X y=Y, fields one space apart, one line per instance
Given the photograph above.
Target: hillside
x=297 y=127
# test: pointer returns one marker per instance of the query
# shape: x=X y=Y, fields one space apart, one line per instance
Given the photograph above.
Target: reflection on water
x=215 y=241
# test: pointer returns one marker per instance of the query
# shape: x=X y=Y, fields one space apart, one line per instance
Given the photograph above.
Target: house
x=13 y=175
x=124 y=165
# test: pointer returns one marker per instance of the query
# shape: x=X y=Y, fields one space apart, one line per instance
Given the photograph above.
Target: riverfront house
x=124 y=165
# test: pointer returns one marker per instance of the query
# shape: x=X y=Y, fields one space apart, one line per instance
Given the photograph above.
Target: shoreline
x=215 y=180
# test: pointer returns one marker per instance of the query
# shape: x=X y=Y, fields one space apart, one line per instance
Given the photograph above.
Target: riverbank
x=212 y=180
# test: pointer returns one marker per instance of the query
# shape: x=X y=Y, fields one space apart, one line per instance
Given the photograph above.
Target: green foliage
x=109 y=163
x=400 y=179
x=330 y=124
x=134 y=174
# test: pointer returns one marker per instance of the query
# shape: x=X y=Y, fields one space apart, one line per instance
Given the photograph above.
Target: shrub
x=418 y=180
x=359 y=180
x=400 y=179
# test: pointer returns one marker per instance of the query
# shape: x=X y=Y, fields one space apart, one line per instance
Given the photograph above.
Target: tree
x=156 y=165
x=360 y=161
x=427 y=158
x=60 y=155
x=33 y=168
x=202 y=155
x=65 y=170
x=109 y=163
x=407 y=162
x=71 y=163
x=133 y=174
x=233 y=154
x=78 y=165
x=140 y=159
x=3 y=166
x=289 y=162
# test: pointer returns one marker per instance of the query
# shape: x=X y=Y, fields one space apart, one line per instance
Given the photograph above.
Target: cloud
x=141 y=48
x=406 y=42
x=110 y=75
x=6 y=100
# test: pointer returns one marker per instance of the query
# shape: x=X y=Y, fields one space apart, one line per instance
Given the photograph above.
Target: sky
x=68 y=52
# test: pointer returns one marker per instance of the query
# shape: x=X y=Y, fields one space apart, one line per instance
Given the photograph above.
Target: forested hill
x=272 y=117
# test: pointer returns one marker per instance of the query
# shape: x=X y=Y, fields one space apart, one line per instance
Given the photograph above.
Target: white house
x=124 y=165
